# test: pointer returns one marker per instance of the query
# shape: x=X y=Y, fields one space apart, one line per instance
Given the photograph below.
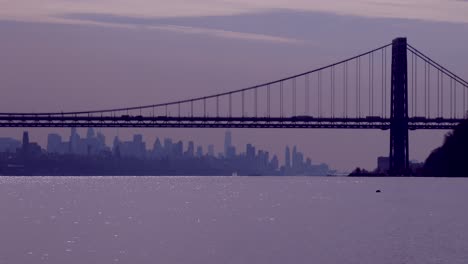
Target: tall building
x=274 y=162
x=25 y=146
x=211 y=150
x=157 y=149
x=74 y=141
x=9 y=145
x=294 y=161
x=287 y=158
x=30 y=148
x=190 y=149
x=135 y=148
x=168 y=148
x=90 y=133
x=227 y=144
x=179 y=149
x=54 y=143
x=116 y=146
x=250 y=152
x=199 y=151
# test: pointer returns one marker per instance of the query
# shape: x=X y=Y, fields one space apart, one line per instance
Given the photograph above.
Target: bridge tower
x=399 y=156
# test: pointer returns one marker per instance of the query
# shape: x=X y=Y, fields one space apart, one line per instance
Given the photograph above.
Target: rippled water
x=233 y=220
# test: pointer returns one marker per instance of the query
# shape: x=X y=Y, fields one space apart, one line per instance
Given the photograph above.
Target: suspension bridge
x=394 y=87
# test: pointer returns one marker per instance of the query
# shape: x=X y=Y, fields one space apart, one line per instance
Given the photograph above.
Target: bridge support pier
x=399 y=156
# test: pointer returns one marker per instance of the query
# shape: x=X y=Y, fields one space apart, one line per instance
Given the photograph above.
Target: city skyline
x=94 y=144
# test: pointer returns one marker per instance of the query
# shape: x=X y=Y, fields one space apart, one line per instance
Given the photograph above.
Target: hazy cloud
x=226 y=34
x=434 y=10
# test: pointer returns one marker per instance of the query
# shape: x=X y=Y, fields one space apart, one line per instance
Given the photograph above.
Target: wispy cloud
x=433 y=10
x=151 y=24
x=226 y=34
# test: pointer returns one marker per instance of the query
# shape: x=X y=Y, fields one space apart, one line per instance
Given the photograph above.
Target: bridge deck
x=221 y=122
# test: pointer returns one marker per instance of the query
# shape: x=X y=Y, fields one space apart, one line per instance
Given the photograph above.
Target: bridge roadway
x=370 y=122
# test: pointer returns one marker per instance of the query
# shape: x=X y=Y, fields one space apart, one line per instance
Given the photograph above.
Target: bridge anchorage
x=400 y=90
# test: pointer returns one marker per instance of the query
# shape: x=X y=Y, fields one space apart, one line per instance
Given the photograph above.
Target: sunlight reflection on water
x=232 y=220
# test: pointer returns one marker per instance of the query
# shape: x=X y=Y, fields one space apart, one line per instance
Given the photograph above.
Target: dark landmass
x=451 y=159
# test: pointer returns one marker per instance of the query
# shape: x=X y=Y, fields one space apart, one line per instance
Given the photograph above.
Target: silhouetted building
x=383 y=164
x=287 y=158
x=132 y=156
x=29 y=149
x=274 y=163
x=56 y=145
x=158 y=149
x=199 y=151
x=228 y=144
x=191 y=149
x=9 y=145
x=250 y=152
x=25 y=145
x=168 y=148
x=211 y=150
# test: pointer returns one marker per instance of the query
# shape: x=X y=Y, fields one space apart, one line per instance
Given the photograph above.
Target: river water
x=236 y=220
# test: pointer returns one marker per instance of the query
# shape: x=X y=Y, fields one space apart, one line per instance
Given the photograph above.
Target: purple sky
x=78 y=56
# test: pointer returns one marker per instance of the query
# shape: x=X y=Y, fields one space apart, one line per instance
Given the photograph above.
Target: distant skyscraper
x=250 y=152
x=74 y=140
x=116 y=146
x=227 y=143
x=211 y=151
x=287 y=158
x=90 y=133
x=191 y=149
x=179 y=149
x=274 y=162
x=54 y=141
x=168 y=148
x=9 y=145
x=294 y=163
x=157 y=149
x=199 y=151
x=25 y=142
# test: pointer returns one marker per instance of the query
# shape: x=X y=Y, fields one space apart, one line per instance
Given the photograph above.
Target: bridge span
x=394 y=87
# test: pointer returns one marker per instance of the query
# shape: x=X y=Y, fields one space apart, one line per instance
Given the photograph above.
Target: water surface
x=236 y=220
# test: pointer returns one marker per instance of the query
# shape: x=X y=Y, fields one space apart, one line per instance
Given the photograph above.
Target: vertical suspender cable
x=370 y=84
x=332 y=83
x=243 y=104
x=319 y=97
x=442 y=94
x=281 y=99
x=307 y=94
x=191 y=108
x=415 y=85
x=230 y=105
x=412 y=84
x=385 y=82
x=382 y=87
x=294 y=96
x=454 y=98
x=428 y=90
x=425 y=89
x=438 y=93
x=345 y=87
x=268 y=100
x=359 y=87
x=256 y=99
